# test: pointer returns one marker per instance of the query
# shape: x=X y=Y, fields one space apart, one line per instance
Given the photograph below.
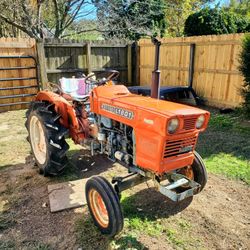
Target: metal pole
x=155 y=86
x=130 y=182
x=191 y=65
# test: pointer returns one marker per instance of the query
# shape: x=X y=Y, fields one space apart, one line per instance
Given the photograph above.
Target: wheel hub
x=98 y=207
x=188 y=172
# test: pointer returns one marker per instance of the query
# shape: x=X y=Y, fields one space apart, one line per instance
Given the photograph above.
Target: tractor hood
x=120 y=94
x=160 y=106
x=141 y=112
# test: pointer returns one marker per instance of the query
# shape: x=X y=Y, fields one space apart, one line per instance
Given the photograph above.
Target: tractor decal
x=118 y=111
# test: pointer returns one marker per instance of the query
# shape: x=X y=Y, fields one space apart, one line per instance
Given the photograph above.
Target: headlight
x=173 y=124
x=200 y=121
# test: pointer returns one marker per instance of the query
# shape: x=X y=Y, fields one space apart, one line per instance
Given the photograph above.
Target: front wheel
x=196 y=172
x=104 y=206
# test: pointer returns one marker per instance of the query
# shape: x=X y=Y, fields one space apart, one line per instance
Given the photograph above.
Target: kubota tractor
x=153 y=139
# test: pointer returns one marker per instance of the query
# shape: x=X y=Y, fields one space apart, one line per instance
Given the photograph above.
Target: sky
x=220 y=2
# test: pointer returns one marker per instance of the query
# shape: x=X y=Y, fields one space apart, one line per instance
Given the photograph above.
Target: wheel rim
x=37 y=139
x=98 y=208
x=188 y=172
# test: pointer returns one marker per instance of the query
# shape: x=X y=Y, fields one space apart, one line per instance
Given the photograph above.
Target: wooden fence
x=216 y=60
x=18 y=72
x=216 y=76
x=67 y=57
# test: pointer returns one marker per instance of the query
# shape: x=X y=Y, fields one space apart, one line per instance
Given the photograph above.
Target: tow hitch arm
x=170 y=190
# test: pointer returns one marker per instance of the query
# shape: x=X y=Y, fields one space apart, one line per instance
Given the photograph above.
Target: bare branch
x=57 y=18
x=17 y=25
x=84 y=31
x=74 y=15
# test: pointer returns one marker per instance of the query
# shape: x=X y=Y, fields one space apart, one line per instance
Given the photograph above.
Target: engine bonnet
x=120 y=94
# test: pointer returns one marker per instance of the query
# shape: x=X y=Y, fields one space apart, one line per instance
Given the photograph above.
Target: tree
x=42 y=18
x=177 y=12
x=239 y=7
x=131 y=19
x=245 y=70
x=210 y=21
x=76 y=30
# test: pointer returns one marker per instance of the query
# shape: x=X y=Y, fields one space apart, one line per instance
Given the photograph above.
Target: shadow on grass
x=82 y=165
x=225 y=145
x=151 y=205
x=225 y=134
x=215 y=141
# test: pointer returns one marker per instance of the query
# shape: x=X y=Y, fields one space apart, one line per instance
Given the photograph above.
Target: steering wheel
x=112 y=75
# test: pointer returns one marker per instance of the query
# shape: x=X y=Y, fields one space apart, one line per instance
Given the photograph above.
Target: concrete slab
x=67 y=195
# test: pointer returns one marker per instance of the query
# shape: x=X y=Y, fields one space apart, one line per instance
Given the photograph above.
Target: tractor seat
x=75 y=87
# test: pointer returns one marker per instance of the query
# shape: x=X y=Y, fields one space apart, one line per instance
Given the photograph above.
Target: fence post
x=191 y=65
x=129 y=63
x=41 y=63
x=88 y=48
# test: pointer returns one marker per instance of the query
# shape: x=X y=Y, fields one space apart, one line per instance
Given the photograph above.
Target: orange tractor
x=152 y=138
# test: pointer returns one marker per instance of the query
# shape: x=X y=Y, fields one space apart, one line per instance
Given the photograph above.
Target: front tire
x=104 y=206
x=197 y=171
x=46 y=137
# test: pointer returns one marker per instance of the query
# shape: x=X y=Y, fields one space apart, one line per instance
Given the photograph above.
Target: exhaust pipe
x=155 y=85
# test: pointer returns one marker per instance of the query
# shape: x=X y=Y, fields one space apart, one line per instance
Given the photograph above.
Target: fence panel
x=67 y=57
x=216 y=61
x=18 y=73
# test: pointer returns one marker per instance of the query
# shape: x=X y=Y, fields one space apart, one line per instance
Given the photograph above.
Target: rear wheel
x=46 y=137
x=196 y=172
x=104 y=206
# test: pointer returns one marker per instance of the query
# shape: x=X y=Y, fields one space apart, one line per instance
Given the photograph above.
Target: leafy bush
x=245 y=70
x=215 y=21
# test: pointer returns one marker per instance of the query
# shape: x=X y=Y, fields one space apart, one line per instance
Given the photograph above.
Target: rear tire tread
x=57 y=159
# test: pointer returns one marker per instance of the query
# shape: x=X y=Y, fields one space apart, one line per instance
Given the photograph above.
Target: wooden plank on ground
x=67 y=195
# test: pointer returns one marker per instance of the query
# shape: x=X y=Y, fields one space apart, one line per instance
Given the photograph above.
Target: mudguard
x=78 y=125
x=62 y=107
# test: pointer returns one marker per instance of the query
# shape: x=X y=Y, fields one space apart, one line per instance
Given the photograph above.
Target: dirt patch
x=218 y=218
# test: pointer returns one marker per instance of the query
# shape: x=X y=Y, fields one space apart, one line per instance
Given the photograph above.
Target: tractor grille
x=177 y=147
x=189 y=123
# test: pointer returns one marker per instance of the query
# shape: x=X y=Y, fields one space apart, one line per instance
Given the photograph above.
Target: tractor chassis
x=173 y=190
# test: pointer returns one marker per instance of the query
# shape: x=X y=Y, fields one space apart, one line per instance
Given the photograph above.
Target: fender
x=62 y=107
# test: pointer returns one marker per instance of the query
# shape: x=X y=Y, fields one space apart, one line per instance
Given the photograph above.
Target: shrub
x=245 y=70
x=215 y=21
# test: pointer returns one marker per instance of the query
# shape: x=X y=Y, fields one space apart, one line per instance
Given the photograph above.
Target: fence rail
x=216 y=76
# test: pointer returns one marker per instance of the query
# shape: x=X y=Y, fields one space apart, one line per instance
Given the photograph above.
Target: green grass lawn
x=225 y=146
x=13 y=145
